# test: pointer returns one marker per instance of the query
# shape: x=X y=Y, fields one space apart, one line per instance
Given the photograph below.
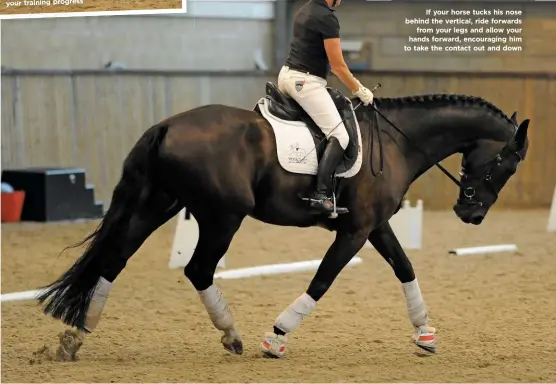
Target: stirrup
x=335 y=210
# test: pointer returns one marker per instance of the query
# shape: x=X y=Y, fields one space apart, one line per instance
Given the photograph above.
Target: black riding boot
x=320 y=199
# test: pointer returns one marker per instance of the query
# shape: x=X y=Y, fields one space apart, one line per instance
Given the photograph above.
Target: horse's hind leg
x=385 y=242
x=157 y=211
x=143 y=222
x=147 y=219
x=216 y=231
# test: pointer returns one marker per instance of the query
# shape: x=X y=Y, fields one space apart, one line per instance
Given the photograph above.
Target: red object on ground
x=12 y=206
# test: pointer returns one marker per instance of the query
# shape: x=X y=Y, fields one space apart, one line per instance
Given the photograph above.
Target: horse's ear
x=521 y=134
x=514 y=118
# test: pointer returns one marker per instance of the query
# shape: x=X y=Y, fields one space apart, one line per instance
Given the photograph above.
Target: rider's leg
x=330 y=159
x=310 y=93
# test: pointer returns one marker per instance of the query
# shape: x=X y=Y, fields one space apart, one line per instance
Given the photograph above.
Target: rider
x=315 y=47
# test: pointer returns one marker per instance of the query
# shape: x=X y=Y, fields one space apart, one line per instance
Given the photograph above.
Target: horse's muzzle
x=469 y=215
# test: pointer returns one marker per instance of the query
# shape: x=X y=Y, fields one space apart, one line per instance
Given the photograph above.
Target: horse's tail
x=69 y=296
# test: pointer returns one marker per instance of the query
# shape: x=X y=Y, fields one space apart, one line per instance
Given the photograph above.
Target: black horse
x=221 y=163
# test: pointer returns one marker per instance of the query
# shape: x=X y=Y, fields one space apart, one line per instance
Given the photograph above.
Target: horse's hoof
x=428 y=348
x=273 y=346
x=425 y=338
x=70 y=342
x=270 y=355
x=232 y=345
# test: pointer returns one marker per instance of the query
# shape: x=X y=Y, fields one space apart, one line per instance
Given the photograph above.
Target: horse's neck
x=440 y=131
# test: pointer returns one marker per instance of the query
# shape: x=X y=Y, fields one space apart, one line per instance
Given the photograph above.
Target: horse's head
x=486 y=167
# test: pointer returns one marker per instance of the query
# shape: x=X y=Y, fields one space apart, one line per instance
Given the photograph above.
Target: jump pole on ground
x=483 y=249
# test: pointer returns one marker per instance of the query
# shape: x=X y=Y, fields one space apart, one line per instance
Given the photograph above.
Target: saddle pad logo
x=299 y=85
x=297 y=155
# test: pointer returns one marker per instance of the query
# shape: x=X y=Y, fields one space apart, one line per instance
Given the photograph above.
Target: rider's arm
x=331 y=36
x=337 y=64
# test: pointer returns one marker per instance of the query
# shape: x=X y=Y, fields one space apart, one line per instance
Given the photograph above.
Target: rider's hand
x=364 y=94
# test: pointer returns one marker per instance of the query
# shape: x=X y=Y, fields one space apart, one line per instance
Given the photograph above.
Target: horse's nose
x=476 y=219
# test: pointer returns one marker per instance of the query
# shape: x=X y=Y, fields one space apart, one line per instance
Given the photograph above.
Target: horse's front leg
x=338 y=255
x=385 y=242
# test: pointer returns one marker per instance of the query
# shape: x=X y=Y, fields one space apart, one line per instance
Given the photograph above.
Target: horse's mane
x=430 y=100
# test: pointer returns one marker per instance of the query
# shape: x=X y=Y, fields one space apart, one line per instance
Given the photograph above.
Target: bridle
x=469 y=192
x=486 y=178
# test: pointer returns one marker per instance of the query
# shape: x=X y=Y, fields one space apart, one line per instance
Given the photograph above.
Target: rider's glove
x=364 y=94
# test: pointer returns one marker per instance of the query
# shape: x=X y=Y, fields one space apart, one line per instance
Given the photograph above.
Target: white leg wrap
x=288 y=320
x=96 y=306
x=217 y=308
x=415 y=304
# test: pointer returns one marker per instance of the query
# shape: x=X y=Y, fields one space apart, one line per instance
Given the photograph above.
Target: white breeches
x=310 y=93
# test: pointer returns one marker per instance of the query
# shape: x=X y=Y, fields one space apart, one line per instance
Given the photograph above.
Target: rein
x=377 y=86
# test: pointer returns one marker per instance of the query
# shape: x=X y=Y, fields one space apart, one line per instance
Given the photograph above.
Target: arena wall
x=91 y=120
x=153 y=42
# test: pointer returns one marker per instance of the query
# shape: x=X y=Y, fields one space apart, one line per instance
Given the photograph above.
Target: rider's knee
x=342 y=137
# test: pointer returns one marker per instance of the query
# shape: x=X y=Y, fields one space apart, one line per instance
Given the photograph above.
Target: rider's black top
x=313 y=23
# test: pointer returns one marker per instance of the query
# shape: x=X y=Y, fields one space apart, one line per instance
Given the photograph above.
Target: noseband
x=469 y=191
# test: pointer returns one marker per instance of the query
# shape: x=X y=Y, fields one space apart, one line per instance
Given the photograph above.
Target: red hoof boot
x=424 y=338
x=273 y=345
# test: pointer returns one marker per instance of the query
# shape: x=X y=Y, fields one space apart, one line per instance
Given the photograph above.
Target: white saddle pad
x=296 y=148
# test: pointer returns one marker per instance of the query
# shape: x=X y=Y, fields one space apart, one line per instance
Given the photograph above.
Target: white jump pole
x=407 y=224
x=185 y=241
x=260 y=270
x=552 y=215
x=274 y=269
x=18 y=296
x=483 y=249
